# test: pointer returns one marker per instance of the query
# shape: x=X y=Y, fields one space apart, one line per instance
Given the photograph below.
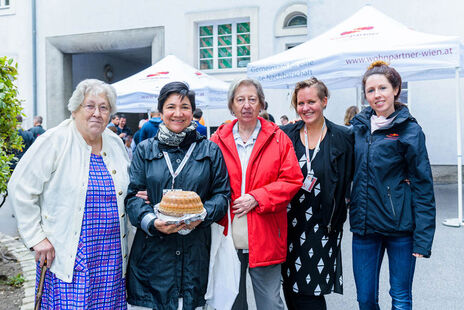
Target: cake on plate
x=179 y=203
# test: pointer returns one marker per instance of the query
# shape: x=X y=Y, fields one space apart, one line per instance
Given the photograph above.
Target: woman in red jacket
x=264 y=176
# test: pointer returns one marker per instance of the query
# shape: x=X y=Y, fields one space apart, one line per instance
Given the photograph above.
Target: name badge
x=171 y=190
x=309 y=182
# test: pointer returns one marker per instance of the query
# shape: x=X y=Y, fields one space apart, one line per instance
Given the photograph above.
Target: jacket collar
x=225 y=134
x=401 y=115
x=155 y=149
x=293 y=131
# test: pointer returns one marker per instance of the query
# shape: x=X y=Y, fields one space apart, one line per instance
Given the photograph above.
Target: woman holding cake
x=165 y=265
x=264 y=177
x=318 y=211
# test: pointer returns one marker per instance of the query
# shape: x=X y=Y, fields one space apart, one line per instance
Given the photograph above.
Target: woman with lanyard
x=317 y=212
x=165 y=265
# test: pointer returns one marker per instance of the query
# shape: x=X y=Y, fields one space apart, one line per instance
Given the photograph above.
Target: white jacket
x=48 y=191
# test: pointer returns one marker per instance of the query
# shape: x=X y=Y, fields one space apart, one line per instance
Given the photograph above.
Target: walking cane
x=38 y=297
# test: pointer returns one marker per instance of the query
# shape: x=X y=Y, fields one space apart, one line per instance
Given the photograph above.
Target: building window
x=292 y=21
x=4 y=4
x=7 y=7
x=291 y=45
x=224 y=45
x=296 y=20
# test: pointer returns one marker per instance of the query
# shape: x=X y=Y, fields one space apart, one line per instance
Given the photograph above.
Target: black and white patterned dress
x=313 y=265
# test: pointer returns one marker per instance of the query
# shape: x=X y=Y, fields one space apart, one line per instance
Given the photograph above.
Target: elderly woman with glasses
x=68 y=194
x=264 y=176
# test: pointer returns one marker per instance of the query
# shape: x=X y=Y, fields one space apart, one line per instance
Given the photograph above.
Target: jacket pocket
x=406 y=221
x=390 y=201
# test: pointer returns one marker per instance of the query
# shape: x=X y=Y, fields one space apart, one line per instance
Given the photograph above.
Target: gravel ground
x=10 y=297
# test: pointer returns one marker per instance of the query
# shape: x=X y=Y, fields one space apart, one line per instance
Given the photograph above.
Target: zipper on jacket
x=369 y=142
x=329 y=226
x=391 y=201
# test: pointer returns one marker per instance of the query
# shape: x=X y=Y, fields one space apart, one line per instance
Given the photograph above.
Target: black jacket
x=382 y=200
x=333 y=201
x=162 y=267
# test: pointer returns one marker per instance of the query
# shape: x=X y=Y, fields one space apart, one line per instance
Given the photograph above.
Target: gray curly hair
x=92 y=87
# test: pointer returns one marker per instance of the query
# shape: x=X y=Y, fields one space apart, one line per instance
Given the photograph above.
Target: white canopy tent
x=340 y=56
x=139 y=92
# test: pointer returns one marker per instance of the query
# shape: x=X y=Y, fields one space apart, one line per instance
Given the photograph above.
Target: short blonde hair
x=93 y=87
x=322 y=91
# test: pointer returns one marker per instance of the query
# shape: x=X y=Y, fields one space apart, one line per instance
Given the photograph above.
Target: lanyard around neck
x=316 y=150
x=182 y=164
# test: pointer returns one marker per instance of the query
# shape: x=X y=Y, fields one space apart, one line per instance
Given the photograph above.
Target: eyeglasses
x=251 y=100
x=104 y=109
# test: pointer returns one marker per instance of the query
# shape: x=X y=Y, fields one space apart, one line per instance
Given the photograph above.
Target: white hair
x=92 y=87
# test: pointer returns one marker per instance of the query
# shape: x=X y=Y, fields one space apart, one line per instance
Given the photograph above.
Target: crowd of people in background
x=290 y=189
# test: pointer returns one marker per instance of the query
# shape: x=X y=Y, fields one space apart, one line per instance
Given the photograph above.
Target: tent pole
x=358 y=97
x=457 y=222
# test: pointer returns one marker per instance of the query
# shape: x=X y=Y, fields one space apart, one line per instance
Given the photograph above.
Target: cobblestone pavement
x=438 y=281
x=26 y=259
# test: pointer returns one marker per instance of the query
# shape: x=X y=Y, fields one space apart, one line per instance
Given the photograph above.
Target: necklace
x=246 y=137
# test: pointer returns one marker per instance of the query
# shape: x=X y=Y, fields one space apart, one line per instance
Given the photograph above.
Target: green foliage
x=16 y=281
x=10 y=107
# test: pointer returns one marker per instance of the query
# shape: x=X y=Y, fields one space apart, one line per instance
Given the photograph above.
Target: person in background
x=349 y=114
x=392 y=205
x=197 y=114
x=284 y=120
x=150 y=128
x=164 y=265
x=263 y=114
x=266 y=106
x=37 y=130
x=28 y=139
x=67 y=194
x=136 y=140
x=127 y=143
x=114 y=121
x=318 y=211
x=113 y=129
x=264 y=177
x=123 y=129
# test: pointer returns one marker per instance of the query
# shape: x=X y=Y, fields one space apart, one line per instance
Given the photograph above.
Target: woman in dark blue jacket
x=392 y=203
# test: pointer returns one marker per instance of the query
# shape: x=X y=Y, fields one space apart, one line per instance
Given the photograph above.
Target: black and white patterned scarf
x=170 y=138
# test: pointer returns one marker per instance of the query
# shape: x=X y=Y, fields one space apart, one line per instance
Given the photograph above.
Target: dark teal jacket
x=162 y=268
x=382 y=200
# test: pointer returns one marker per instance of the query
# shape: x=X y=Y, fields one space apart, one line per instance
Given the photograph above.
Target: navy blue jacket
x=150 y=128
x=382 y=200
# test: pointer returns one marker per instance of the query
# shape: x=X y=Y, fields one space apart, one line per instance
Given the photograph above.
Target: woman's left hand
x=244 y=204
x=417 y=255
x=143 y=195
x=193 y=224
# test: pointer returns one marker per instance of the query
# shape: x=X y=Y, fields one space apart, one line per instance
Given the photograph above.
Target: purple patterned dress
x=97 y=280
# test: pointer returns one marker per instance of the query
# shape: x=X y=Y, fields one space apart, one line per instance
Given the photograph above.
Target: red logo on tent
x=359 y=29
x=158 y=73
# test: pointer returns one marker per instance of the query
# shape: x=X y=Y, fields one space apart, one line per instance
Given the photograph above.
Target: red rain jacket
x=273 y=177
